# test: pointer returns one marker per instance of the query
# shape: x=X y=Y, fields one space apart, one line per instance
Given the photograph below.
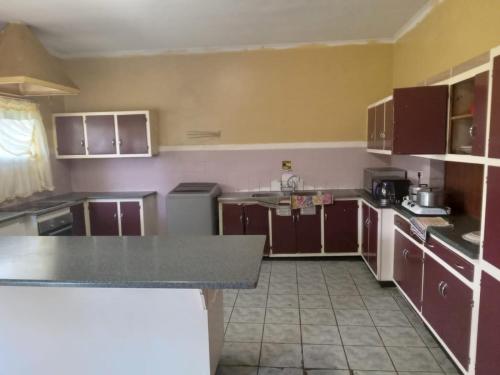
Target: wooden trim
x=266 y=146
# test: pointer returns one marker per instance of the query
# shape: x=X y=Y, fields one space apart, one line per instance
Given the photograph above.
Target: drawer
x=455 y=261
x=404 y=225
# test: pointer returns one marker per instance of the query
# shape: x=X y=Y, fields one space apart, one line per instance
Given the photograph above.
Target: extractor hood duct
x=27 y=69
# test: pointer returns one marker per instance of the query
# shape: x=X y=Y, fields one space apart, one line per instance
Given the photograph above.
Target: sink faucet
x=289 y=182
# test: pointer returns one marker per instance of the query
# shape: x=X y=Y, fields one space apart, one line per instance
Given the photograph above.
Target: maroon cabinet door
x=488 y=339
x=101 y=138
x=447 y=306
x=365 y=217
x=78 y=213
x=379 y=127
x=133 y=134
x=233 y=219
x=371 y=128
x=479 y=113
x=408 y=268
x=257 y=222
x=494 y=145
x=341 y=227
x=130 y=214
x=283 y=230
x=308 y=232
x=491 y=245
x=389 y=125
x=373 y=240
x=103 y=218
x=70 y=135
x=420 y=120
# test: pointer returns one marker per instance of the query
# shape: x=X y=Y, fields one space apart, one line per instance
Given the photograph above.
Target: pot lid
x=27 y=69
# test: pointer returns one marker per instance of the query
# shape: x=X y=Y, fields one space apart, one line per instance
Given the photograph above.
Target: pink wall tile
x=234 y=170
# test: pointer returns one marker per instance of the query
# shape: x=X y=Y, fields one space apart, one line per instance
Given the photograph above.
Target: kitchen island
x=118 y=305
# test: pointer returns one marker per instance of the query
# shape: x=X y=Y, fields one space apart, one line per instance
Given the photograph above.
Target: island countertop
x=194 y=262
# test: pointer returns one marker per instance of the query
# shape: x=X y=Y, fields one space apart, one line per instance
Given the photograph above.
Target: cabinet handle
x=472 y=131
x=113 y=142
x=115 y=216
x=459 y=267
x=405 y=253
x=326 y=216
x=382 y=135
x=442 y=287
x=119 y=142
x=247 y=220
x=298 y=217
x=82 y=143
x=241 y=219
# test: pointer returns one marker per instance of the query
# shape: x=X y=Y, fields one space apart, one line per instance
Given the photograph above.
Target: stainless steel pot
x=414 y=189
x=430 y=198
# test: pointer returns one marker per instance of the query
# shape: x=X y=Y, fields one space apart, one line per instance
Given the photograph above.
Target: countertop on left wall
x=14 y=211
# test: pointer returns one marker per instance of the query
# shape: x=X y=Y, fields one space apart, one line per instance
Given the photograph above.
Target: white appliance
x=420 y=210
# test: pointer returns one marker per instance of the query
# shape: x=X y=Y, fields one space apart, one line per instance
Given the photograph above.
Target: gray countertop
x=6 y=216
x=104 y=195
x=66 y=200
x=452 y=236
x=193 y=262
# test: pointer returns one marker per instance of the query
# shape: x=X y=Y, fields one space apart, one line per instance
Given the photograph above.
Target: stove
x=428 y=211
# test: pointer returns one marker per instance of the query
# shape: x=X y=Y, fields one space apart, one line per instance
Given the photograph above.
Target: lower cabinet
x=103 y=218
x=130 y=217
x=447 y=306
x=121 y=217
x=408 y=268
x=78 y=213
x=253 y=219
x=341 y=227
x=296 y=233
x=488 y=337
x=369 y=247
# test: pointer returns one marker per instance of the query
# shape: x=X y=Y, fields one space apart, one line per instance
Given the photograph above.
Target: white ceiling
x=70 y=28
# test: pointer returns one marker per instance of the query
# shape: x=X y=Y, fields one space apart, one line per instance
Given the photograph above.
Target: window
x=24 y=155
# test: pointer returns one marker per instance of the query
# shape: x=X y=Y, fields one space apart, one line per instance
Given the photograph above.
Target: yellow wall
x=265 y=96
x=454 y=31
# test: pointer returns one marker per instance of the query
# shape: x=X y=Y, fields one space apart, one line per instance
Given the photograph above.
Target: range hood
x=27 y=69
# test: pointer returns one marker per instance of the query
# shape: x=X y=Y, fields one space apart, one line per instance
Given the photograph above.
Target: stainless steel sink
x=268 y=194
x=305 y=193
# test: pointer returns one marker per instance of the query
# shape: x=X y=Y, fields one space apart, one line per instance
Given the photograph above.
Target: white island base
x=82 y=331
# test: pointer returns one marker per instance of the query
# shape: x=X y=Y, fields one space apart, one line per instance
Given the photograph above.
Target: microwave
x=372 y=174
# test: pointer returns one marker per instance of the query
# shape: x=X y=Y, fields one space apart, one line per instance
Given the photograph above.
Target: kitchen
x=292 y=117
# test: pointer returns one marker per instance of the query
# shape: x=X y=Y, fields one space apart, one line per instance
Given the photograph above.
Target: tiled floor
x=325 y=318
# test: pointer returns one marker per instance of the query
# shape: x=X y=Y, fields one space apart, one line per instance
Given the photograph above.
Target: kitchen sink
x=305 y=193
x=268 y=194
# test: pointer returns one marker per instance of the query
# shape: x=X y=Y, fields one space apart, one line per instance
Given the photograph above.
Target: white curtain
x=24 y=153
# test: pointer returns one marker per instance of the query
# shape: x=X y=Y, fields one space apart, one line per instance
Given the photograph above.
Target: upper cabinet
x=105 y=134
x=420 y=118
x=412 y=121
x=494 y=144
x=468 y=109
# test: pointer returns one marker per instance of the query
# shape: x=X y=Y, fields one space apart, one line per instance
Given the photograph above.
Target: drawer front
x=455 y=261
x=408 y=268
x=447 y=306
x=405 y=225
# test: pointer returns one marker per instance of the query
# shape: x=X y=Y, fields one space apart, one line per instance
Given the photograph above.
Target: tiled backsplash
x=240 y=170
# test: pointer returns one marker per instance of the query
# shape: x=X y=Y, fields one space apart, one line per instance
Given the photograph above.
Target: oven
x=59 y=223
